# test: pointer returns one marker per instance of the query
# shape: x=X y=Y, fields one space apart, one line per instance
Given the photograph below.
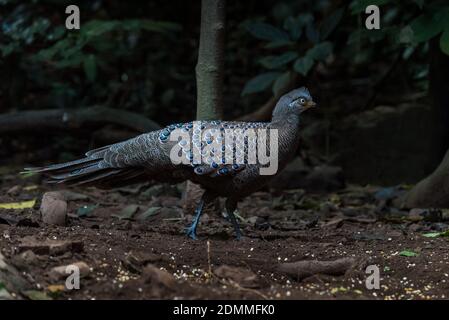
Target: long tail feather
x=88 y=171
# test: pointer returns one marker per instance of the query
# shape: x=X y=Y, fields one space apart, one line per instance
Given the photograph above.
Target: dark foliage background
x=140 y=56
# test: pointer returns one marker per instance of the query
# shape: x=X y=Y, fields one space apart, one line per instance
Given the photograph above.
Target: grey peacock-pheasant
x=147 y=157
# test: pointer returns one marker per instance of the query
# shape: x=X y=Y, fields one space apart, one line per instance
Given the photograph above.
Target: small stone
x=252 y=220
x=159 y=281
x=52 y=247
x=417 y=214
x=334 y=223
x=142 y=257
x=156 y=276
x=244 y=277
x=61 y=272
x=167 y=201
x=25 y=260
x=13 y=191
x=136 y=260
x=300 y=270
x=54 y=208
x=414 y=227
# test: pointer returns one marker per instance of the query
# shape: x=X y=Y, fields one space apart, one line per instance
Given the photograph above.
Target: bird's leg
x=231 y=205
x=205 y=199
x=191 y=231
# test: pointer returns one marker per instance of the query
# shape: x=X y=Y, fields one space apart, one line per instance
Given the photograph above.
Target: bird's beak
x=310 y=104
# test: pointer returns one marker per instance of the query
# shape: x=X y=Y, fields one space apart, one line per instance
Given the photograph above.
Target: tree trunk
x=210 y=66
x=209 y=79
x=433 y=191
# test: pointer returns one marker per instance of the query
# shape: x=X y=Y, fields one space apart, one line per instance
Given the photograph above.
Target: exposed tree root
x=74 y=119
x=303 y=269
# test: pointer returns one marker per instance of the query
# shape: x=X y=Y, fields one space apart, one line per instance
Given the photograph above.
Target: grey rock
x=54 y=208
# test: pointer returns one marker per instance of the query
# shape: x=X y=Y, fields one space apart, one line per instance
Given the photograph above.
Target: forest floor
x=121 y=239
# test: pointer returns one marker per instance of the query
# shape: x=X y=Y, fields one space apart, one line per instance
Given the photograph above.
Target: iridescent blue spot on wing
x=163 y=137
x=198 y=170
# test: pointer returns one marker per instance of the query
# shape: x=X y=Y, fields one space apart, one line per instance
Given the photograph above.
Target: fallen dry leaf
x=18 y=205
x=55 y=288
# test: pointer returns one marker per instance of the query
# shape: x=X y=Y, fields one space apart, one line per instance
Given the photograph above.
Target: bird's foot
x=238 y=235
x=191 y=231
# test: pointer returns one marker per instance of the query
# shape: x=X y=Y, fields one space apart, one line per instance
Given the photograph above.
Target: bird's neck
x=287 y=125
x=288 y=135
x=291 y=121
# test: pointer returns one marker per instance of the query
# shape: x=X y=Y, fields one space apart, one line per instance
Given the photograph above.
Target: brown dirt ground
x=278 y=227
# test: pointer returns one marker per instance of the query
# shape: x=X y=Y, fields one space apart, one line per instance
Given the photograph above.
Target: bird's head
x=294 y=102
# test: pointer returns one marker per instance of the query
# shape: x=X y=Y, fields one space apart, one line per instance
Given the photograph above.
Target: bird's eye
x=302 y=100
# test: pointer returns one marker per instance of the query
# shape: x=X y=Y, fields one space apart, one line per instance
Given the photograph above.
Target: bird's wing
x=219 y=155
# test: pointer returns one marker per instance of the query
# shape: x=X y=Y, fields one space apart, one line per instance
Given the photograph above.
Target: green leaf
x=273 y=62
x=426 y=26
x=419 y=3
x=408 y=52
x=436 y=234
x=36 y=295
x=265 y=31
x=431 y=235
x=303 y=65
x=4 y=294
x=90 y=68
x=278 y=44
x=95 y=28
x=281 y=82
x=127 y=212
x=86 y=210
x=408 y=253
x=57 y=33
x=260 y=82
x=149 y=213
x=358 y=6
x=49 y=53
x=444 y=41
x=73 y=62
x=312 y=33
x=321 y=51
x=161 y=26
x=8 y=49
x=149 y=25
x=330 y=23
x=294 y=27
x=406 y=35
